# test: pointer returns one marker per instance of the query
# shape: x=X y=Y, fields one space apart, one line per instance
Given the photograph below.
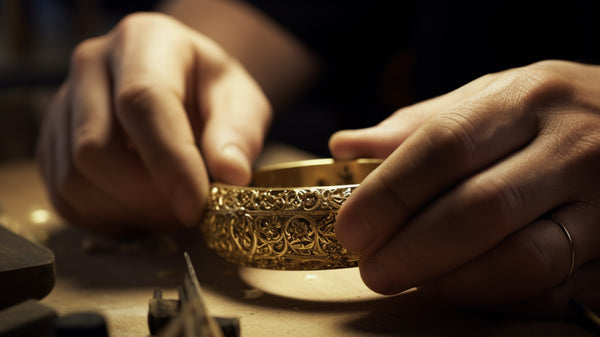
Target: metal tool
x=187 y=316
x=588 y=317
x=26 y=269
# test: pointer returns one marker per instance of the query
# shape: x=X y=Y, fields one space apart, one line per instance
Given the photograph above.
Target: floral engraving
x=277 y=228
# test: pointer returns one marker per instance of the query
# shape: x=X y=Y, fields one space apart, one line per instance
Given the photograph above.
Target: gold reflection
x=334 y=285
x=39 y=216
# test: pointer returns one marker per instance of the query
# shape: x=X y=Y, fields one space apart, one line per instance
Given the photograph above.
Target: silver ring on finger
x=571 y=245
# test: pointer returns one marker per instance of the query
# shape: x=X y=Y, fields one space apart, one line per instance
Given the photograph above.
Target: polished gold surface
x=314 y=172
x=285 y=220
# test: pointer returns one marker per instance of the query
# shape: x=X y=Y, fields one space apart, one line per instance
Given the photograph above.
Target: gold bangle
x=285 y=220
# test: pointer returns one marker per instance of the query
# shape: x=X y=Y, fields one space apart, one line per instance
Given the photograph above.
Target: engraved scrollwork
x=268 y=228
x=335 y=197
x=277 y=228
x=300 y=235
x=266 y=201
x=311 y=200
x=241 y=230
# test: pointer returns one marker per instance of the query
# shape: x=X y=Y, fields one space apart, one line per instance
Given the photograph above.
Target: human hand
x=457 y=207
x=149 y=112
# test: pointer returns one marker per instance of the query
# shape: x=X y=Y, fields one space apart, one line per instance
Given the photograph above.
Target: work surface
x=118 y=278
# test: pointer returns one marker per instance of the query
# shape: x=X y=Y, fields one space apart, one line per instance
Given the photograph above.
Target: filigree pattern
x=278 y=228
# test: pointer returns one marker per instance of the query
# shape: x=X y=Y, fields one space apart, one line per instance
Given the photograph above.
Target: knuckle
x=538 y=85
x=85 y=53
x=136 y=26
x=583 y=133
x=86 y=148
x=580 y=162
x=135 y=96
x=140 y=20
x=576 y=145
x=496 y=201
x=453 y=138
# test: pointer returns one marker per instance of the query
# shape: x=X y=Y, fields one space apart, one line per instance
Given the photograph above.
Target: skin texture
x=280 y=63
x=154 y=110
x=128 y=145
x=158 y=107
x=457 y=208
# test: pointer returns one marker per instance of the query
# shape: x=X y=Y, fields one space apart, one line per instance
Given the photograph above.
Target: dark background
x=36 y=39
x=379 y=55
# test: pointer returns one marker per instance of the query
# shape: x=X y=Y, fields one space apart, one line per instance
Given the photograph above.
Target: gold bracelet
x=285 y=220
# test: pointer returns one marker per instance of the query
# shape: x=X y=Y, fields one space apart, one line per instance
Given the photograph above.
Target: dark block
x=26 y=269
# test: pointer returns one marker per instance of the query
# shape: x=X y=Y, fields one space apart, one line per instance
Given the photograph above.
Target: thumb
x=378 y=141
x=382 y=139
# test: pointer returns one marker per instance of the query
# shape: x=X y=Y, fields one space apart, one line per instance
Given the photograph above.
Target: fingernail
x=354 y=235
x=235 y=155
x=375 y=276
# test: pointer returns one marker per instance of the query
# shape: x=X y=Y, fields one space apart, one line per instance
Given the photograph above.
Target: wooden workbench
x=117 y=279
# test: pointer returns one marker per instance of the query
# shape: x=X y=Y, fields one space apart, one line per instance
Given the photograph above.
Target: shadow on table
x=91 y=261
x=414 y=316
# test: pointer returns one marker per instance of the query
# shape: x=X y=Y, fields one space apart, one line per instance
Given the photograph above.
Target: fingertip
x=376 y=277
x=372 y=142
x=233 y=166
x=341 y=144
x=354 y=235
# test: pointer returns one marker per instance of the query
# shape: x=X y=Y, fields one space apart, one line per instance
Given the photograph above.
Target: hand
x=149 y=112
x=457 y=207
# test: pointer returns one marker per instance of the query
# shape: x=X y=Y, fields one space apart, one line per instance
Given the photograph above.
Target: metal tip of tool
x=586 y=314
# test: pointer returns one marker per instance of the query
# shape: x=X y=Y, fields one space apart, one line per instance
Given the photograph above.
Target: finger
x=45 y=145
x=527 y=264
x=238 y=115
x=76 y=199
x=444 y=150
x=150 y=90
x=46 y=150
x=381 y=140
x=478 y=214
x=99 y=148
x=98 y=212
